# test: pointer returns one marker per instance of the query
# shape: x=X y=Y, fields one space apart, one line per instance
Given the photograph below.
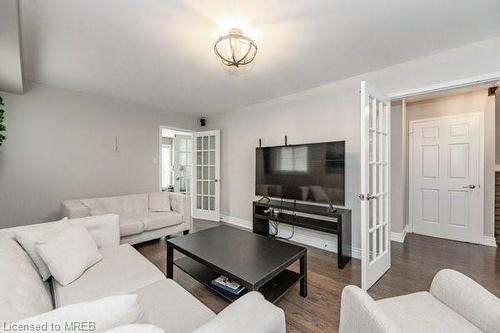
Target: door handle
x=368 y=196
x=216 y=180
x=469 y=186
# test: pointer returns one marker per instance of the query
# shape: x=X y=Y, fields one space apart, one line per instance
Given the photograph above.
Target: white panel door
x=446 y=164
x=206 y=196
x=375 y=185
x=183 y=165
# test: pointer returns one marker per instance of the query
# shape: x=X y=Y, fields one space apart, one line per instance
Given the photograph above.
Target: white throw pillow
x=69 y=253
x=29 y=236
x=104 y=314
x=159 y=202
x=136 y=329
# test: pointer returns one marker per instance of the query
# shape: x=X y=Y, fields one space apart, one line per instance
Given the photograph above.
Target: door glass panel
x=212 y=203
x=212 y=158
x=198 y=202
x=205 y=172
x=205 y=188
x=212 y=173
x=212 y=142
x=371 y=210
x=370 y=248
x=199 y=187
x=205 y=143
x=205 y=202
x=199 y=143
x=212 y=188
x=205 y=158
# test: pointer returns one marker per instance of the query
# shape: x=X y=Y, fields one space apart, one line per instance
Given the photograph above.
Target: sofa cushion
x=121 y=271
x=169 y=306
x=22 y=292
x=100 y=315
x=159 y=202
x=29 y=236
x=95 y=206
x=69 y=253
x=130 y=226
x=421 y=312
x=135 y=328
x=154 y=221
x=127 y=205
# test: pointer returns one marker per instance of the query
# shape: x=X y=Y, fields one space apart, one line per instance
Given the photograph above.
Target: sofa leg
x=185 y=232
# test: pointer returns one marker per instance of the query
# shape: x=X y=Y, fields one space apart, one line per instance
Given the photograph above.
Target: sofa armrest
x=74 y=209
x=249 y=314
x=360 y=313
x=105 y=229
x=469 y=299
x=181 y=203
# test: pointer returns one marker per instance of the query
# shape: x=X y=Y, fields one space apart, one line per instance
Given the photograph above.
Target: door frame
x=160 y=166
x=481 y=168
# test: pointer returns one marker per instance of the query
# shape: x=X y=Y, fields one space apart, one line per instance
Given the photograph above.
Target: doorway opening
x=443 y=165
x=176 y=160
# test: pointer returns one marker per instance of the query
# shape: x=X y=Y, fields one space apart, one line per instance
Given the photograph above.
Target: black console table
x=309 y=216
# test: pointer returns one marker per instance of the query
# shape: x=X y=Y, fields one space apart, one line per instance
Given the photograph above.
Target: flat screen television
x=307 y=172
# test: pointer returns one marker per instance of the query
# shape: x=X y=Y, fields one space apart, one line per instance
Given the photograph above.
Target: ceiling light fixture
x=235 y=49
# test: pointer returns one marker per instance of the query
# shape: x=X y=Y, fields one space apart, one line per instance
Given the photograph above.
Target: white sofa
x=455 y=303
x=139 y=222
x=123 y=270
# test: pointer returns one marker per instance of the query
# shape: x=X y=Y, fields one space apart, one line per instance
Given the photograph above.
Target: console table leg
x=170 y=262
x=303 y=272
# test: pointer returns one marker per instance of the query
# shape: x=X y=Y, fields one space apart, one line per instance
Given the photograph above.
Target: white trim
x=489 y=241
x=479 y=239
x=497 y=167
x=443 y=86
x=300 y=237
x=236 y=221
x=399 y=236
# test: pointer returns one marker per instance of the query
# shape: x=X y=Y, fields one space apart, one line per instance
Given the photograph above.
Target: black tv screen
x=307 y=172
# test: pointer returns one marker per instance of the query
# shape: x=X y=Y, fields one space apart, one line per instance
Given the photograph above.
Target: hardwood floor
x=414 y=264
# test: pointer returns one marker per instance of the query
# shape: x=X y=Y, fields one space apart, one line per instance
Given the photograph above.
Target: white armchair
x=455 y=303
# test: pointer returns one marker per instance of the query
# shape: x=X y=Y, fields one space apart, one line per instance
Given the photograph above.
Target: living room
x=158 y=128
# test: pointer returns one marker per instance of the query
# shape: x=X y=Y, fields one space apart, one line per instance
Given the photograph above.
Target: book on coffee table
x=228 y=285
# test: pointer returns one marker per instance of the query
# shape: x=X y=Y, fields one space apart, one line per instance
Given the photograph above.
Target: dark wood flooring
x=414 y=264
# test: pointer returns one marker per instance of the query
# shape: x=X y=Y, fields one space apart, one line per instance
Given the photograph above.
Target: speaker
x=203 y=122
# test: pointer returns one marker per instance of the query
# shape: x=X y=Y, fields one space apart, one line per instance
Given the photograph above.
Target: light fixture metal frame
x=245 y=60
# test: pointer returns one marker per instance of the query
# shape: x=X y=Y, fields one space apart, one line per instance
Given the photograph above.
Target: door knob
x=469 y=186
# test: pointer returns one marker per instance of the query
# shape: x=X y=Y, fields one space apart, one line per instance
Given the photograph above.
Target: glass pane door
x=207 y=175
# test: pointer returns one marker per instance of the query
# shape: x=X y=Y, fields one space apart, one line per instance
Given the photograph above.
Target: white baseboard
x=399 y=236
x=489 y=241
x=304 y=236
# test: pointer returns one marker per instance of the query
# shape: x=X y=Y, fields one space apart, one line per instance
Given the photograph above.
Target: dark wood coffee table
x=256 y=262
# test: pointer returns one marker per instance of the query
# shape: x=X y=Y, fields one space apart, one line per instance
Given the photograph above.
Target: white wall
x=329 y=112
x=397 y=169
x=476 y=101
x=60 y=145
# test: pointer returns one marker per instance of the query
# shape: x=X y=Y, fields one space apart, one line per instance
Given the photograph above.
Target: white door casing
x=206 y=192
x=446 y=177
x=183 y=165
x=375 y=185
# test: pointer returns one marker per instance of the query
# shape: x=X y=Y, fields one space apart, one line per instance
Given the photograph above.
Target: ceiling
x=160 y=52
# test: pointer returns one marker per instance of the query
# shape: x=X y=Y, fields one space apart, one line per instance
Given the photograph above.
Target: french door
x=206 y=196
x=375 y=185
x=183 y=165
x=446 y=163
